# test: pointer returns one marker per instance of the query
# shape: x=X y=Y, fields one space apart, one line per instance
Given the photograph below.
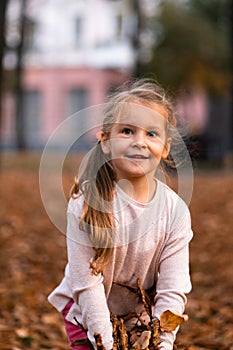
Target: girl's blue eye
x=152 y=133
x=127 y=131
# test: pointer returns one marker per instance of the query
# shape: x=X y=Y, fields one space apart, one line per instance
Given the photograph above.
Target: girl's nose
x=139 y=140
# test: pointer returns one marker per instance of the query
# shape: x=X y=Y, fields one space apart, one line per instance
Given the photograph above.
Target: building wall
x=92 y=33
x=54 y=87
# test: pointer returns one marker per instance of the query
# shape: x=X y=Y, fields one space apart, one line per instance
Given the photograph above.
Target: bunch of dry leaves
x=143 y=335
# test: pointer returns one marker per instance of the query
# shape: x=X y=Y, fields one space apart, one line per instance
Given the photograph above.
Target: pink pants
x=73 y=332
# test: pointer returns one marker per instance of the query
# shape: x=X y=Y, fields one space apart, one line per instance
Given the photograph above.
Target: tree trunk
x=136 y=39
x=20 y=127
x=3 y=7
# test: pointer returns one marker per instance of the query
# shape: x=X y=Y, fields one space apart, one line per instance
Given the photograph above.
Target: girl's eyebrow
x=122 y=123
x=153 y=127
x=125 y=125
x=137 y=125
x=150 y=127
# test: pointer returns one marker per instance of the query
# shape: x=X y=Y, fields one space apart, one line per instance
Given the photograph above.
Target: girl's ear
x=166 y=148
x=104 y=142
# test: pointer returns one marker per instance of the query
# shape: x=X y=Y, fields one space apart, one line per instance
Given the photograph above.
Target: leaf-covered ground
x=33 y=255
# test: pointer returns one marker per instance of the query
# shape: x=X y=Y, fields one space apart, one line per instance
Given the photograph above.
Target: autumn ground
x=32 y=258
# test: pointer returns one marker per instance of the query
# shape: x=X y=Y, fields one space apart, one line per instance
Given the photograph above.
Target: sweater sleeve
x=87 y=289
x=174 y=278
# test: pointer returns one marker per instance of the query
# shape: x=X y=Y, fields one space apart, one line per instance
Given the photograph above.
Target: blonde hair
x=97 y=217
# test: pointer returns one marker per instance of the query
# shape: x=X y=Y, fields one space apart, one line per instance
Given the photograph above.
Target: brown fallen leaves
x=143 y=335
x=33 y=256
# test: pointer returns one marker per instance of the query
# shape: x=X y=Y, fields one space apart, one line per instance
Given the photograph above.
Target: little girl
x=123 y=224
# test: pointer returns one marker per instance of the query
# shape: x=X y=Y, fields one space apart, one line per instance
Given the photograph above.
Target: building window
x=30 y=35
x=77 y=100
x=78 y=31
x=118 y=25
x=76 y=104
x=31 y=118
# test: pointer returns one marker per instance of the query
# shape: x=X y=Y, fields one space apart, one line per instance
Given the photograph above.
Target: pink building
x=77 y=52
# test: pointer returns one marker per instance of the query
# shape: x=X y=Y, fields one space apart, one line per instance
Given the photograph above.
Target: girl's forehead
x=141 y=115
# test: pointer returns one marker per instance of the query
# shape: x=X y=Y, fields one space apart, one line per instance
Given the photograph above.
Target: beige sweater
x=151 y=243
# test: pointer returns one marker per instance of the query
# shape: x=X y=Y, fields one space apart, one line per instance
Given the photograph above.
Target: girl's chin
x=136 y=176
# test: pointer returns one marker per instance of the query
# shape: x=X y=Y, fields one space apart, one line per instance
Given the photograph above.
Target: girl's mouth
x=137 y=156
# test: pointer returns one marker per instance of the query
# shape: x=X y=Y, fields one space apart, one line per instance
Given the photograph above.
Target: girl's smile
x=137 y=157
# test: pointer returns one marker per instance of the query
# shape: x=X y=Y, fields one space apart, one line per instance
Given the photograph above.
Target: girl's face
x=138 y=141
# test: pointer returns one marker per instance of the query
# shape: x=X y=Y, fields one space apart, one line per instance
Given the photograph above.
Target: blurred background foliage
x=192 y=45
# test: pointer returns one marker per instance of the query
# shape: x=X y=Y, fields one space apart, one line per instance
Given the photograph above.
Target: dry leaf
x=143 y=341
x=98 y=341
x=123 y=336
x=134 y=335
x=144 y=297
x=156 y=333
x=115 y=333
x=22 y=332
x=81 y=341
x=169 y=321
x=155 y=327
